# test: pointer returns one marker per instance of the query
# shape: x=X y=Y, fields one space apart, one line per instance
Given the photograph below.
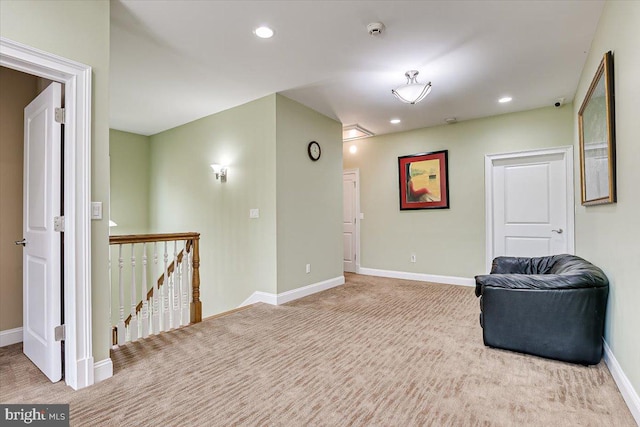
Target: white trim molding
x=76 y=77
x=259 y=296
x=288 y=296
x=489 y=159
x=10 y=336
x=421 y=277
x=629 y=394
x=102 y=370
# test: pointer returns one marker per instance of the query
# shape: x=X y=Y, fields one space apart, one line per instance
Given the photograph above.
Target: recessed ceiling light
x=394 y=121
x=505 y=99
x=353 y=149
x=263 y=32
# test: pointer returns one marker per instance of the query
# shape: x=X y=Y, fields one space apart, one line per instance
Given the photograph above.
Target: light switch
x=254 y=213
x=96 y=210
x=361 y=215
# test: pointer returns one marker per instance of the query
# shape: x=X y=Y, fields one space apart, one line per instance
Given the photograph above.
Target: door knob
x=559 y=231
x=22 y=242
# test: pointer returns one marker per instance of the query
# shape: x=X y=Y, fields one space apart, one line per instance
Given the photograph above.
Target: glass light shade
x=412 y=92
x=216 y=168
x=264 y=32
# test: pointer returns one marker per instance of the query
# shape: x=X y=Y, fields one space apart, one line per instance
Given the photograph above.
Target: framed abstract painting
x=424 y=181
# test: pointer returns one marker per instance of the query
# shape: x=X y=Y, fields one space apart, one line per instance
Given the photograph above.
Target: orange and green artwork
x=424 y=181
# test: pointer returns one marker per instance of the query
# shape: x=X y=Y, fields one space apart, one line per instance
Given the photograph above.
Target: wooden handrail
x=146 y=238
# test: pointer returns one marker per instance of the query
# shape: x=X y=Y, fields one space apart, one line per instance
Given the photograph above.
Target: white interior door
x=41 y=254
x=531 y=205
x=349 y=221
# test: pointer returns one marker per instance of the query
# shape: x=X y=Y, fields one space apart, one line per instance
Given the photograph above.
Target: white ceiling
x=173 y=62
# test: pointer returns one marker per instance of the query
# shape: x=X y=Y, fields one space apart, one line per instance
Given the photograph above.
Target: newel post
x=196 y=304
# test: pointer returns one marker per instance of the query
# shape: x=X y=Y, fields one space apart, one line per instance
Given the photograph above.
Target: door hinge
x=58 y=224
x=59 y=332
x=59 y=115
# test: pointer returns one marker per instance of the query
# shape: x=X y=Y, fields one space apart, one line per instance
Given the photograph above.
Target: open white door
x=349 y=219
x=41 y=254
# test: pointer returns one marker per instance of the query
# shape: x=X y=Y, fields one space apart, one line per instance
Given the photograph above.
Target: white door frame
x=357 y=237
x=78 y=353
x=489 y=160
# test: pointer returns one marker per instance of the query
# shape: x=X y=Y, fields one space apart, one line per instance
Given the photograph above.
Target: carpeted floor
x=375 y=352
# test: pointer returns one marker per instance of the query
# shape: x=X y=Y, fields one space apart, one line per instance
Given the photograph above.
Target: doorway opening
x=76 y=77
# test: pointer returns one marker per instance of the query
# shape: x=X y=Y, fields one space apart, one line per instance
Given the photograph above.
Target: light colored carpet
x=375 y=352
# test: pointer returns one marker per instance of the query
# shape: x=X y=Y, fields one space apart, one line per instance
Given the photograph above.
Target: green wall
x=129 y=156
x=264 y=144
x=238 y=254
x=78 y=31
x=609 y=235
x=309 y=196
x=448 y=242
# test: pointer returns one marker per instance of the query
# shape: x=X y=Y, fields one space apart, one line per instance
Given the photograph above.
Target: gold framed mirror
x=597 y=138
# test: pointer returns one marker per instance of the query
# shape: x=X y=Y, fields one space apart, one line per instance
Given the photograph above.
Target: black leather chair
x=551 y=307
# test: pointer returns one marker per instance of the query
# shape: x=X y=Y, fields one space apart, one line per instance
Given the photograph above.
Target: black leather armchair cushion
x=548 y=306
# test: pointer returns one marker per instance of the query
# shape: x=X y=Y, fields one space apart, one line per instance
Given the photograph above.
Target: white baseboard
x=449 y=280
x=277 y=299
x=629 y=394
x=309 y=290
x=258 y=296
x=10 y=336
x=102 y=370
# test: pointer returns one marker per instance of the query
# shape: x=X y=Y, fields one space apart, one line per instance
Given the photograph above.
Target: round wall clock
x=314 y=150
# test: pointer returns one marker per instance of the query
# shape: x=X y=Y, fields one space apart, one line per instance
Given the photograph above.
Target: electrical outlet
x=413 y=257
x=308 y=268
x=254 y=213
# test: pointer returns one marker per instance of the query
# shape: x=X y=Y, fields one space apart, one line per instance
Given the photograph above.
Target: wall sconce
x=220 y=171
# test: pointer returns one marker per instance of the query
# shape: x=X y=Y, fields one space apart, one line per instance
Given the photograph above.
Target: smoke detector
x=375 y=28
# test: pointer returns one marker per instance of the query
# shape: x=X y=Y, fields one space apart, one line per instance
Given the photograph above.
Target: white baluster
x=189 y=266
x=144 y=312
x=166 y=324
x=184 y=318
x=133 y=323
x=175 y=306
x=121 y=329
x=156 y=292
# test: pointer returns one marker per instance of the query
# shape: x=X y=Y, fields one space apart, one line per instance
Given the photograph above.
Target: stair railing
x=156 y=305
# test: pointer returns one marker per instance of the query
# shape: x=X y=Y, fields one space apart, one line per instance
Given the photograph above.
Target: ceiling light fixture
x=412 y=92
x=505 y=99
x=263 y=32
x=394 y=121
x=352 y=132
x=353 y=149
